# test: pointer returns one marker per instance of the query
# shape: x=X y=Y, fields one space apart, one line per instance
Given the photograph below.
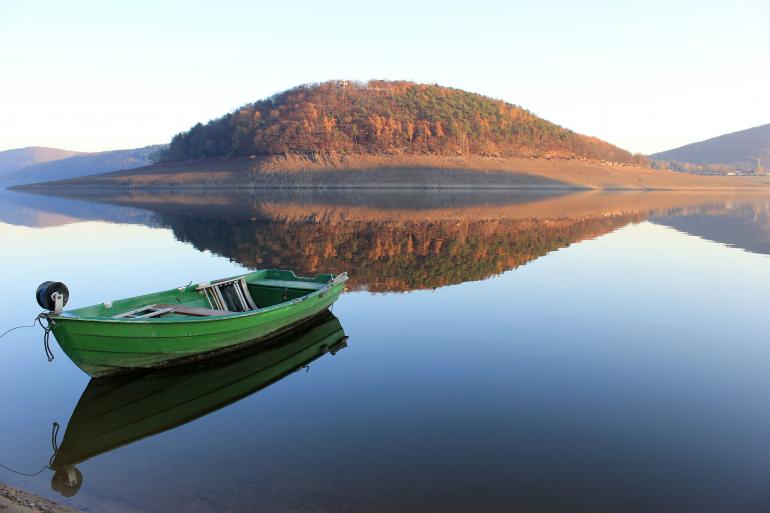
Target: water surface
x=506 y=352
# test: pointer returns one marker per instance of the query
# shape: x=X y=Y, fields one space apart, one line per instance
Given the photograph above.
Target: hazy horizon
x=89 y=77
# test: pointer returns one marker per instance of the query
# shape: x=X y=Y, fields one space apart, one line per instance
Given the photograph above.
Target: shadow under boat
x=117 y=411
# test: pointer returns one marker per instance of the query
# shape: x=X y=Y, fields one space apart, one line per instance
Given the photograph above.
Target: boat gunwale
x=340 y=280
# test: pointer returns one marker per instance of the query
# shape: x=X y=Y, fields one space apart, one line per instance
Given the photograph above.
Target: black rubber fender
x=46 y=289
x=67 y=481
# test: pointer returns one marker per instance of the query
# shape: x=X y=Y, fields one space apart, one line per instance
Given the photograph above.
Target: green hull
x=102 y=345
x=113 y=412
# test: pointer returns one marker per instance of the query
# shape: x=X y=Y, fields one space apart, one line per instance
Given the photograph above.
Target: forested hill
x=381 y=117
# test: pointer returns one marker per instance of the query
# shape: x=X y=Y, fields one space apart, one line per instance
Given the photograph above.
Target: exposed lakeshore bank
x=405 y=172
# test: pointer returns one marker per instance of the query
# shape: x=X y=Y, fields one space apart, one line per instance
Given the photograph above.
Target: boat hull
x=104 y=347
x=113 y=412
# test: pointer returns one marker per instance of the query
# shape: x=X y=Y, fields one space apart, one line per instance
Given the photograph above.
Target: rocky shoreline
x=14 y=500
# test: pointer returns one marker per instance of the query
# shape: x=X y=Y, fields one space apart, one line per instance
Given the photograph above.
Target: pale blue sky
x=647 y=76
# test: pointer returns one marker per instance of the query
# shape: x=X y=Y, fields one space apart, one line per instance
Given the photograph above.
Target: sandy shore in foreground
x=13 y=500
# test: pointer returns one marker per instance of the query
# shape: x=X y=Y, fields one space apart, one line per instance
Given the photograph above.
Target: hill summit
x=382 y=117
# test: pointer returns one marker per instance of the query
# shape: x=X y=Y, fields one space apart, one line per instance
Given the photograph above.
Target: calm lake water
x=506 y=352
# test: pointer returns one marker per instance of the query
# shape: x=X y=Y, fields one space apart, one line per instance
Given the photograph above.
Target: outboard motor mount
x=52 y=295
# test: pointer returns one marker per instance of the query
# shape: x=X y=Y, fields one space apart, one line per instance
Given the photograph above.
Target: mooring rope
x=54 y=443
x=9 y=469
x=46 y=332
x=22 y=326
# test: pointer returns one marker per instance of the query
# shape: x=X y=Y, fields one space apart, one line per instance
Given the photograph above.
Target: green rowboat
x=186 y=324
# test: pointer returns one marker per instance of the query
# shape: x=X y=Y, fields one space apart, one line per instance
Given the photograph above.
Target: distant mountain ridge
x=84 y=164
x=18 y=158
x=738 y=151
x=71 y=164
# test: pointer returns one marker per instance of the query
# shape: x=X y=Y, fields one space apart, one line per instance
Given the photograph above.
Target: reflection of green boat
x=186 y=324
x=119 y=410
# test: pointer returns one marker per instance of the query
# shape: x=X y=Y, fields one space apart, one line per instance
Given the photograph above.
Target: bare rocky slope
x=402 y=171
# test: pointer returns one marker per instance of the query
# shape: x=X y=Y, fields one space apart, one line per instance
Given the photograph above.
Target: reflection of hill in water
x=745 y=225
x=416 y=239
x=24 y=209
x=387 y=255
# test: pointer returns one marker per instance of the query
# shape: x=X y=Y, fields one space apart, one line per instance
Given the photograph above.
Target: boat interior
x=229 y=296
